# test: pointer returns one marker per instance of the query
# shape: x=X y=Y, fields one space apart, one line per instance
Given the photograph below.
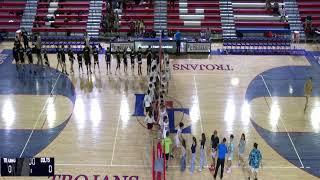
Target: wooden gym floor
x=89 y=127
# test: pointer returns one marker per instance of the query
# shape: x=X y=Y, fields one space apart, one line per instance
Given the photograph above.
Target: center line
x=44 y=107
x=115 y=137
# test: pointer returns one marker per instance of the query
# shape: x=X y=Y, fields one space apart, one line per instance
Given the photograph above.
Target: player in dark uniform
x=58 y=58
x=15 y=54
x=132 y=57
x=29 y=55
x=86 y=56
x=95 y=53
x=63 y=60
x=39 y=56
x=108 y=60
x=139 y=57
x=21 y=55
x=125 y=61
x=149 y=59
x=46 y=59
x=118 y=60
x=79 y=57
x=71 y=58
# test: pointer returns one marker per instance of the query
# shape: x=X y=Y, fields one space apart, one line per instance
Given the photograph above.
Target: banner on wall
x=198 y=47
x=122 y=45
x=167 y=46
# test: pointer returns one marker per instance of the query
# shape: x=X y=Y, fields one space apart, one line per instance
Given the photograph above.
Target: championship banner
x=122 y=45
x=197 y=47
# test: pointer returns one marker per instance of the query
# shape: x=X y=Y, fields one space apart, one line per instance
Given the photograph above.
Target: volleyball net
x=158 y=150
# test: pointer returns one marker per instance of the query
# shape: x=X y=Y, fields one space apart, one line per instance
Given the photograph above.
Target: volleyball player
x=21 y=55
x=230 y=154
x=63 y=60
x=307 y=91
x=95 y=53
x=58 y=58
x=139 y=57
x=45 y=57
x=79 y=57
x=132 y=57
x=29 y=55
x=202 y=151
x=149 y=59
x=125 y=61
x=108 y=60
x=71 y=58
x=147 y=102
x=15 y=54
x=118 y=60
x=86 y=56
x=39 y=56
x=214 y=148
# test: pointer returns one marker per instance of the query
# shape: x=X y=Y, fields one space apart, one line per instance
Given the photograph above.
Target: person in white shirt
x=151 y=88
x=149 y=120
x=167 y=69
x=165 y=126
x=147 y=102
x=179 y=134
x=283 y=14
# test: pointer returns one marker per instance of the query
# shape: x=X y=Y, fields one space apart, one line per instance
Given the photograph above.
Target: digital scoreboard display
x=40 y=166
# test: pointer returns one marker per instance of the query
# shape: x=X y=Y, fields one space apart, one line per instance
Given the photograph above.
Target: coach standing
x=222 y=151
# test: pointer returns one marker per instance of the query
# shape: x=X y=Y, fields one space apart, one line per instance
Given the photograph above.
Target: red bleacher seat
x=64 y=29
x=10 y=15
x=66 y=10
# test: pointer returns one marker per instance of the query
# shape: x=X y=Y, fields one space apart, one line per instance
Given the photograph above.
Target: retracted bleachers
x=11 y=12
x=70 y=16
x=251 y=16
x=193 y=16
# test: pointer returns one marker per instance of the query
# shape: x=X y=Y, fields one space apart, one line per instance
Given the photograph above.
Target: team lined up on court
x=85 y=56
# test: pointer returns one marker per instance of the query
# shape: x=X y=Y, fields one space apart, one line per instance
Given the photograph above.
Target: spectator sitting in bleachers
x=136 y=26
x=268 y=5
x=124 y=4
x=268 y=34
x=137 y=2
x=308 y=27
x=171 y=3
x=283 y=14
x=308 y=24
x=141 y=27
x=132 y=28
x=202 y=34
x=276 y=8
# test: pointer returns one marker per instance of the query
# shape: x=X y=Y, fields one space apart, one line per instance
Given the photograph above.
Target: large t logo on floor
x=139 y=111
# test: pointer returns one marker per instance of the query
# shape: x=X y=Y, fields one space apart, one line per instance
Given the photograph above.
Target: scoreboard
x=39 y=166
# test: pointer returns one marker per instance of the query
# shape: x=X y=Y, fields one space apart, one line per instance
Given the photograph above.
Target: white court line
x=196 y=89
x=175 y=166
x=39 y=116
x=294 y=147
x=115 y=137
x=200 y=118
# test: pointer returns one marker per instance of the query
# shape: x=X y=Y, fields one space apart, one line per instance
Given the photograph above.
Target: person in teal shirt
x=254 y=161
